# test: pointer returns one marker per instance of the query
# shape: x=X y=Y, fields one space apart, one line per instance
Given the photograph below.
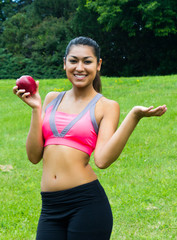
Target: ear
x=99 y=65
x=64 y=63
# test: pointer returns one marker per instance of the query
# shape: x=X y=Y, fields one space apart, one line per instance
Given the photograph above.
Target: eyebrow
x=83 y=58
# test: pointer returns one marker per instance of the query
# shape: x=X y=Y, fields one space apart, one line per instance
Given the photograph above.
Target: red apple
x=27 y=83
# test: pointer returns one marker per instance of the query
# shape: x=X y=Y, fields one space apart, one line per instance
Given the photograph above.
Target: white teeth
x=80 y=76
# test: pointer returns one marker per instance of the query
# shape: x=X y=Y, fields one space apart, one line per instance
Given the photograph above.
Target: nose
x=80 y=66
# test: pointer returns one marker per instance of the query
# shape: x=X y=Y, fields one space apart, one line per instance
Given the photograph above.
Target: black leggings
x=80 y=213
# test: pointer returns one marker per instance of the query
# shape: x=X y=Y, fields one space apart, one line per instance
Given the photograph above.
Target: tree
x=36 y=44
x=7 y=9
x=55 y=8
x=159 y=16
x=16 y=30
x=137 y=37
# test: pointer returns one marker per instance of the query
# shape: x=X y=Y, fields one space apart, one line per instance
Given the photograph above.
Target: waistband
x=78 y=195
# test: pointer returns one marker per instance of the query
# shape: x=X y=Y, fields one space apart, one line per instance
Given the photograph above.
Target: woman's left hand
x=141 y=111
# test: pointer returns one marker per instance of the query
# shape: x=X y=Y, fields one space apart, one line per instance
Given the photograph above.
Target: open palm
x=141 y=111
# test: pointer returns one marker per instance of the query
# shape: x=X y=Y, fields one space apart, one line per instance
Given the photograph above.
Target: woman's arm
x=34 y=143
x=110 y=143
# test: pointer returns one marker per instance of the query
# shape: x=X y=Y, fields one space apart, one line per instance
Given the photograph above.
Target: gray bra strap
x=56 y=101
x=77 y=118
x=92 y=116
x=52 y=114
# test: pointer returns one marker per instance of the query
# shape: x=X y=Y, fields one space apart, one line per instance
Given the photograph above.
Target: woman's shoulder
x=109 y=104
x=107 y=109
x=49 y=98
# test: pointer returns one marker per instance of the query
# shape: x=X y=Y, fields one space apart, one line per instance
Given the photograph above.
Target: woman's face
x=81 y=65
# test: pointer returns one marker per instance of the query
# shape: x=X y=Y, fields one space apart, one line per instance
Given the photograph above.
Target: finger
x=161 y=107
x=163 y=110
x=149 y=108
x=160 y=110
x=25 y=95
x=15 y=89
x=164 y=107
x=20 y=92
x=37 y=84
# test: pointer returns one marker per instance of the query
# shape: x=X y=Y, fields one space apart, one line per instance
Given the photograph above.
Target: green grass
x=141 y=185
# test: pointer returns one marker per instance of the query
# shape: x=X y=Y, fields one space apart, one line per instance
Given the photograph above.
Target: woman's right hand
x=33 y=101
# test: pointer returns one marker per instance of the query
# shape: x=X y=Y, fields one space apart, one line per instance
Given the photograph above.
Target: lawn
x=141 y=184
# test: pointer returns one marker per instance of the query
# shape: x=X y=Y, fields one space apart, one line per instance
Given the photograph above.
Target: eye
x=87 y=62
x=72 y=61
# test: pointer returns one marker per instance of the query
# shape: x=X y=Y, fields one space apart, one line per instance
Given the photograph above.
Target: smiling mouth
x=80 y=76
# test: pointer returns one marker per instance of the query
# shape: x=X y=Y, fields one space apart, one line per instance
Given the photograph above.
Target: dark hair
x=96 y=49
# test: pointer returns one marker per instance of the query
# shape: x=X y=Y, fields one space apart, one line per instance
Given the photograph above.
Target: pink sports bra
x=78 y=131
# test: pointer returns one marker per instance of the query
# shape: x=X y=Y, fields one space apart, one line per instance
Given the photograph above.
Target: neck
x=83 y=92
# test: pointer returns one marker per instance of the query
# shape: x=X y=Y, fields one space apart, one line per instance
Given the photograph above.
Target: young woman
x=64 y=133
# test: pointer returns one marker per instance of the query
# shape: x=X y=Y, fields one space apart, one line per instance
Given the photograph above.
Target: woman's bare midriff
x=65 y=168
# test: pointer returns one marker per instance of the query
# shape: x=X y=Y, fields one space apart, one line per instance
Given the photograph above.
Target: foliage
x=38 y=45
x=137 y=15
x=136 y=37
x=55 y=8
x=16 y=30
x=85 y=22
x=159 y=16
